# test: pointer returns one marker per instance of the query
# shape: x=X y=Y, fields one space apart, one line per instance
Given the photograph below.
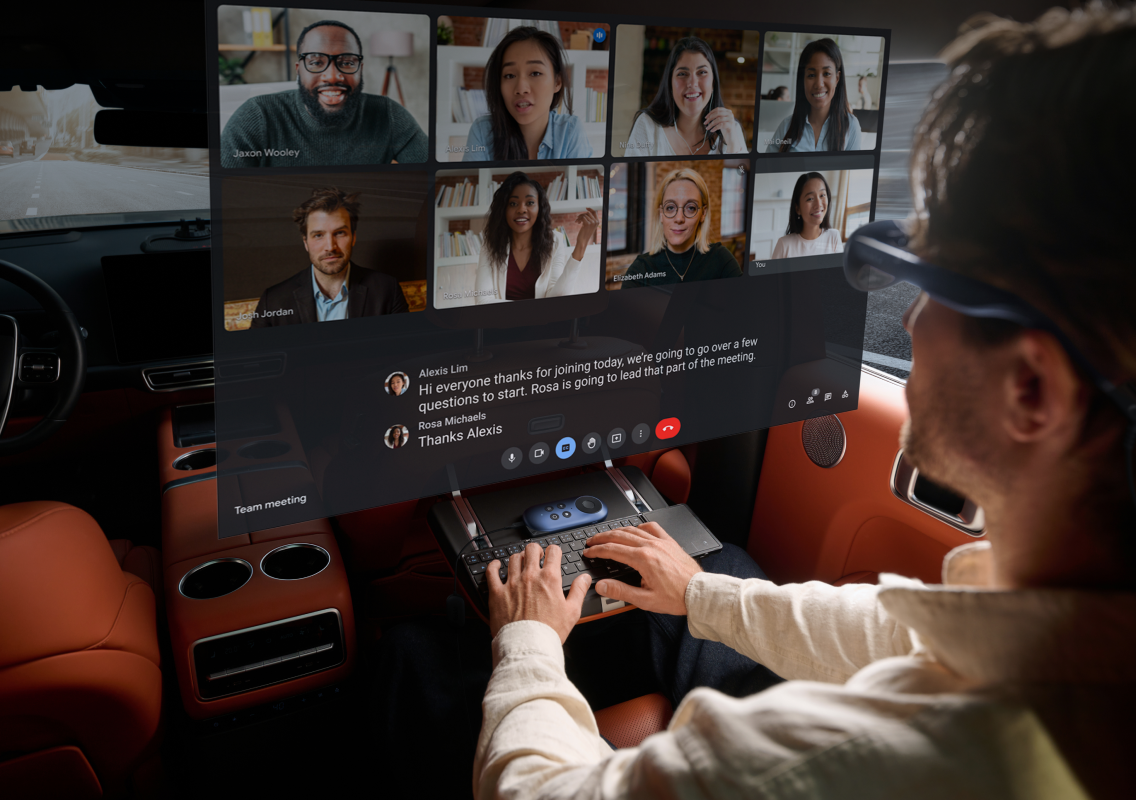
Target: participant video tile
x=805 y=77
x=683 y=92
x=521 y=90
x=302 y=249
x=504 y=235
x=804 y=215
x=674 y=222
x=346 y=88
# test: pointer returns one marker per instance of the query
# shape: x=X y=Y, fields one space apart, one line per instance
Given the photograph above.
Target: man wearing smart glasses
x=1017 y=676
x=327 y=119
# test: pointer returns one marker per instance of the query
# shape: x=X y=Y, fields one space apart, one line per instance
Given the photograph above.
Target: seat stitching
x=36 y=518
x=136 y=582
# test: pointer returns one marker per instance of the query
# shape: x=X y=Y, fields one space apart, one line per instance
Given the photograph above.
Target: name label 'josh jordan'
x=269 y=152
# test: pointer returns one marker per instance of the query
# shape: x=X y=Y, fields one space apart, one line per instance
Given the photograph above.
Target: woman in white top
x=809 y=233
x=687 y=116
x=522 y=257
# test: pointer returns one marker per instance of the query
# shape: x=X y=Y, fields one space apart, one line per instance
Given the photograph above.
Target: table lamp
x=392 y=44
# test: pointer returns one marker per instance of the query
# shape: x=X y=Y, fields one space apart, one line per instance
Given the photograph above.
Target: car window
x=909 y=87
x=54 y=174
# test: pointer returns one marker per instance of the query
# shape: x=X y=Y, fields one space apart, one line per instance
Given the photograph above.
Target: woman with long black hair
x=687 y=116
x=809 y=232
x=821 y=118
x=522 y=257
x=525 y=82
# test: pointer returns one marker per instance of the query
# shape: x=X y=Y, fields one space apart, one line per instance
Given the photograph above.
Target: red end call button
x=668 y=428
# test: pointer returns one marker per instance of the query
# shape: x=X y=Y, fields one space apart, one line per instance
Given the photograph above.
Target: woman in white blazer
x=522 y=257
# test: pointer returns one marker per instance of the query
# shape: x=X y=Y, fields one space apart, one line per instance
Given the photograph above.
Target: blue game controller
x=561 y=515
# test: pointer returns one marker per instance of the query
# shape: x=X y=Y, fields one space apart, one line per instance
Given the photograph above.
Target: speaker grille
x=824 y=441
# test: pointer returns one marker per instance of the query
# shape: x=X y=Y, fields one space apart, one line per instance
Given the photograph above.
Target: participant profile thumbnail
x=304 y=249
x=672 y=222
x=520 y=89
x=505 y=235
x=683 y=92
x=807 y=212
x=346 y=88
x=819 y=92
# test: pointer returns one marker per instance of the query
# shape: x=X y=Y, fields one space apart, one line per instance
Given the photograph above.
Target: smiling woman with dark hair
x=687 y=116
x=522 y=257
x=525 y=82
x=809 y=232
x=821 y=119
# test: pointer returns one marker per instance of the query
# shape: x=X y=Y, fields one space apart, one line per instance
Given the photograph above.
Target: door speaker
x=824 y=440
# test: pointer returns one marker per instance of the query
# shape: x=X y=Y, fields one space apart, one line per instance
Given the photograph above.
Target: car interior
x=124 y=609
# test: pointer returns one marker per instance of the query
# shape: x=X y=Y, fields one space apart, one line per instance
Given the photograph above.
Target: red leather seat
x=627 y=724
x=80 y=684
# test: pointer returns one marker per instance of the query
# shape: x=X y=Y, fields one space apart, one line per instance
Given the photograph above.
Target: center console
x=253 y=618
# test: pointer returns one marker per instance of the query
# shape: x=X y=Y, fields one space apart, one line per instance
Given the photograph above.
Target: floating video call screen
x=452 y=250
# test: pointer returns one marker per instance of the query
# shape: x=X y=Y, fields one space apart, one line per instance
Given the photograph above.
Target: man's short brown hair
x=1019 y=156
x=327 y=200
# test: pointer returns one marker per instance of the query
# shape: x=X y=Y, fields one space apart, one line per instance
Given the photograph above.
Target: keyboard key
x=501 y=553
x=514 y=549
x=478 y=580
x=472 y=558
x=566 y=538
x=485 y=556
x=579 y=535
x=503 y=573
x=568 y=569
x=477 y=569
x=572 y=557
x=577 y=546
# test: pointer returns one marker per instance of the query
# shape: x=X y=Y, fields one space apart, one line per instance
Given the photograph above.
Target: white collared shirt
x=893 y=691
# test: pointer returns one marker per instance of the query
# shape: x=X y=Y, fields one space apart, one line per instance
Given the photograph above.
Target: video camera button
x=539 y=452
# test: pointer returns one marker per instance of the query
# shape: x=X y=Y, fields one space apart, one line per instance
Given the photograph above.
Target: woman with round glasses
x=822 y=118
x=522 y=257
x=687 y=116
x=680 y=250
x=327 y=120
x=809 y=232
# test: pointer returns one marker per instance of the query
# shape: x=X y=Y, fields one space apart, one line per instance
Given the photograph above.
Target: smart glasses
x=347 y=63
x=875 y=258
x=670 y=208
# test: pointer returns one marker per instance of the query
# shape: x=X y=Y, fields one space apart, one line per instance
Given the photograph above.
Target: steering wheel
x=63 y=367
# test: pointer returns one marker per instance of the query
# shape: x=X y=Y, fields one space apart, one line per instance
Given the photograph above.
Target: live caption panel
x=310 y=87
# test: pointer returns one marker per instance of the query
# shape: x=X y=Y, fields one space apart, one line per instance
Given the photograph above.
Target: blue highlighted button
x=599 y=35
x=565 y=447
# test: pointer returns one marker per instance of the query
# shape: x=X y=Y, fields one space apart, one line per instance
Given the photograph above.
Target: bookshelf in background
x=461 y=205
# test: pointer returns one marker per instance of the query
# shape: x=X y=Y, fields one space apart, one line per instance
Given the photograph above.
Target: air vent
x=183 y=376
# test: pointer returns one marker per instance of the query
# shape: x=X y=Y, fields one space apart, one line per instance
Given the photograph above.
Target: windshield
x=54 y=174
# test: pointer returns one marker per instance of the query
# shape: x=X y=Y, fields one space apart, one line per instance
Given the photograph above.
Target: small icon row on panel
x=566 y=447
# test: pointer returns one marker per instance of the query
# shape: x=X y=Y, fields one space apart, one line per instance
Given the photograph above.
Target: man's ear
x=1044 y=395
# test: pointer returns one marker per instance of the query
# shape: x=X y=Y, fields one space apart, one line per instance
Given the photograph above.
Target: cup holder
x=200 y=459
x=293 y=562
x=267 y=448
x=215 y=578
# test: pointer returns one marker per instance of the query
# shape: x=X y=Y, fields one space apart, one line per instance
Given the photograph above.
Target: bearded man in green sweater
x=326 y=120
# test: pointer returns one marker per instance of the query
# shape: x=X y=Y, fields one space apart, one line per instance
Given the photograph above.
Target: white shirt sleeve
x=643 y=139
x=781 y=249
x=484 y=285
x=562 y=272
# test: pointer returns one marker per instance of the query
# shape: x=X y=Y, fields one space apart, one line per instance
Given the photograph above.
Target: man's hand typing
x=535 y=592
x=665 y=567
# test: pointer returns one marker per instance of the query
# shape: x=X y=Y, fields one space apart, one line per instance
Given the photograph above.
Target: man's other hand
x=665 y=567
x=534 y=592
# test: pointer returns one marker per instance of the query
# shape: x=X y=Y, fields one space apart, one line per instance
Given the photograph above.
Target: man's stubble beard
x=331 y=119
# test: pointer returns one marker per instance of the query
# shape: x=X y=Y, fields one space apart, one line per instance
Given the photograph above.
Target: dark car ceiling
x=108 y=42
